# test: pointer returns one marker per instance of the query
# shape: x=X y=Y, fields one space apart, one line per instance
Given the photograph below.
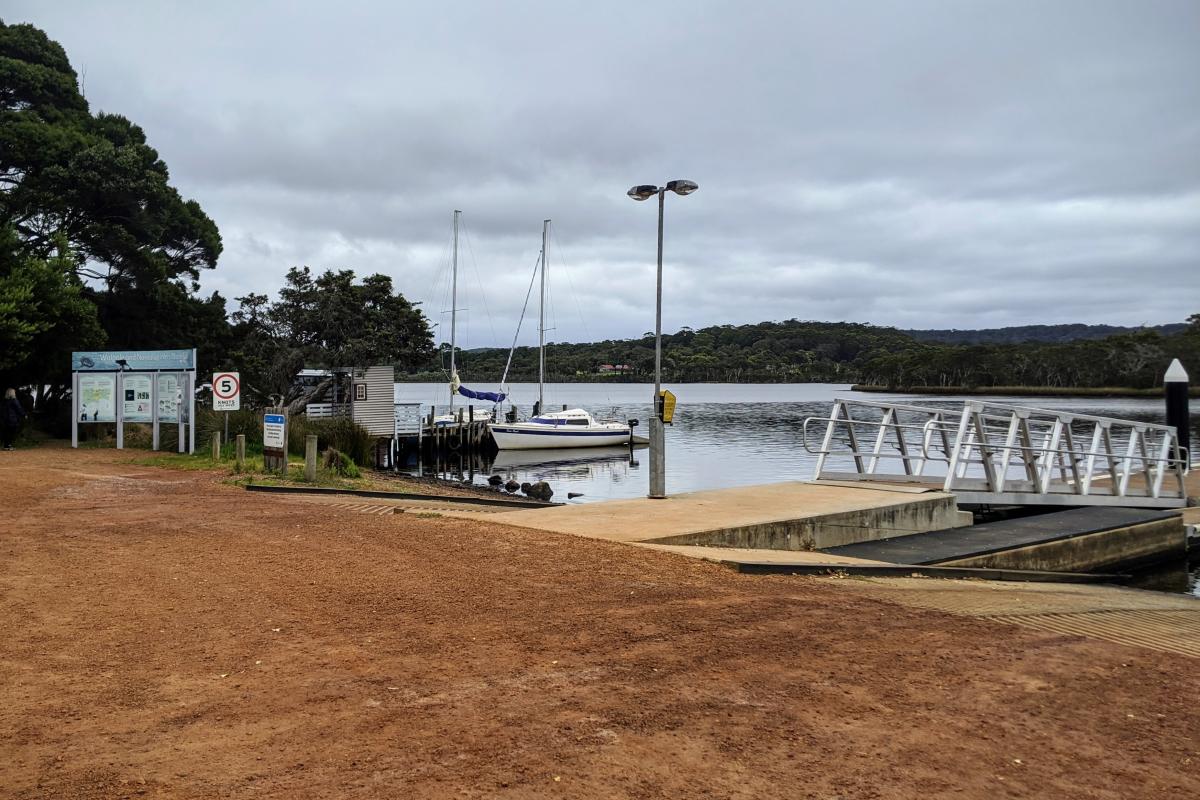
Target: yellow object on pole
x=666 y=405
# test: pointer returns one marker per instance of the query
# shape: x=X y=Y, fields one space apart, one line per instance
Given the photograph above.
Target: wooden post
x=241 y=451
x=310 y=458
x=216 y=446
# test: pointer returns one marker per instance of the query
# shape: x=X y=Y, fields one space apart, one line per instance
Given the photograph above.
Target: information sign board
x=97 y=398
x=274 y=431
x=227 y=391
x=136 y=403
x=141 y=386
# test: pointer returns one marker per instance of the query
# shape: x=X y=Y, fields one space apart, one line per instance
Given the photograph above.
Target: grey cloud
x=919 y=164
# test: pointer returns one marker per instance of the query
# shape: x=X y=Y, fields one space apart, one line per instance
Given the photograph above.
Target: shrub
x=339 y=433
x=247 y=422
x=339 y=462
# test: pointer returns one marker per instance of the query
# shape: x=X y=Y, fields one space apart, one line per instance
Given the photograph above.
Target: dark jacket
x=11 y=413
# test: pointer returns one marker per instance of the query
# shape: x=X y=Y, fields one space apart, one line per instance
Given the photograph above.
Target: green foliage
x=795 y=351
x=43 y=314
x=245 y=422
x=341 y=464
x=96 y=246
x=91 y=179
x=1046 y=334
x=768 y=352
x=339 y=433
x=326 y=321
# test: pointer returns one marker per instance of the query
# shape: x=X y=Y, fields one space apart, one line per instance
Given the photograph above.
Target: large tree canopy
x=326 y=321
x=96 y=246
x=43 y=313
x=89 y=179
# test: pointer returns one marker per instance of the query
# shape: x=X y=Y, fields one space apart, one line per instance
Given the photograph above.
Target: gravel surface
x=163 y=634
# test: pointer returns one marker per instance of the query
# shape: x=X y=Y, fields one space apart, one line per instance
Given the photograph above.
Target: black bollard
x=1175 y=387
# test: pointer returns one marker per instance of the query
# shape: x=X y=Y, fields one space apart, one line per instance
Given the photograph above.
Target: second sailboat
x=573 y=427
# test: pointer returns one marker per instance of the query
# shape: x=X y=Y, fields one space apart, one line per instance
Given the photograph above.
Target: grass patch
x=253 y=472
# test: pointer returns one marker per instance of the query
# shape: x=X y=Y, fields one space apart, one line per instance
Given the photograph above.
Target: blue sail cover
x=494 y=397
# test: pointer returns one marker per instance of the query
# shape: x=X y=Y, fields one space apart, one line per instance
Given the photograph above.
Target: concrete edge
x=1065 y=537
x=829 y=520
x=908 y=571
x=478 y=501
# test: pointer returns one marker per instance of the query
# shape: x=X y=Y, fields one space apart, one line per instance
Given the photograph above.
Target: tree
x=43 y=315
x=92 y=180
x=327 y=321
x=89 y=217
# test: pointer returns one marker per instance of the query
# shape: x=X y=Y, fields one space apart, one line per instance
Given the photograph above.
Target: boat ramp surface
x=794 y=516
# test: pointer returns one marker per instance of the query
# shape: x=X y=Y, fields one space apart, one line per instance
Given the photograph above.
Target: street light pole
x=658 y=435
x=658 y=445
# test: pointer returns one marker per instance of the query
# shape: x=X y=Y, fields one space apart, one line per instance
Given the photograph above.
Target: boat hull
x=523 y=436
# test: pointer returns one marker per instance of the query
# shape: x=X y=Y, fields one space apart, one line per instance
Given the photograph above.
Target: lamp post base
x=658 y=459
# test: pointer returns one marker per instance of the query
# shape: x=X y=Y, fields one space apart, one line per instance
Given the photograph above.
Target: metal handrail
x=1044 y=445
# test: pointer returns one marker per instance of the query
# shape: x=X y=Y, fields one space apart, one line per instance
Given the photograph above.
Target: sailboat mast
x=542 y=320
x=453 y=307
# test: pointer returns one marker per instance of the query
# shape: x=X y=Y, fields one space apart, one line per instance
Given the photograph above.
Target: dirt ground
x=163 y=634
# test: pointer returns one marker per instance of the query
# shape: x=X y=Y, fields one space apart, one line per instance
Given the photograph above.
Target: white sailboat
x=572 y=427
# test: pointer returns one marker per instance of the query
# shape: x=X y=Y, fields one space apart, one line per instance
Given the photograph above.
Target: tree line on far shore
x=797 y=351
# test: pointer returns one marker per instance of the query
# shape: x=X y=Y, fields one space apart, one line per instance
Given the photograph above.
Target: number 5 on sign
x=227 y=391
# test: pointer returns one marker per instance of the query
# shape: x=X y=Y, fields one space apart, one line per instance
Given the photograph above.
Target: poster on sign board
x=169 y=395
x=135 y=401
x=97 y=398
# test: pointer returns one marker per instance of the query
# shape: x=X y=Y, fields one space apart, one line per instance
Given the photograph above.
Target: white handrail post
x=827 y=442
x=879 y=439
x=956 y=456
x=1046 y=467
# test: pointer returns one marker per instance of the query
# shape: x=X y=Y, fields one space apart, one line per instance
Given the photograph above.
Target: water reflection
x=575 y=475
x=1179 y=576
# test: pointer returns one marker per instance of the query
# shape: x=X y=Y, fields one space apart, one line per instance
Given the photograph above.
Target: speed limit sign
x=227 y=391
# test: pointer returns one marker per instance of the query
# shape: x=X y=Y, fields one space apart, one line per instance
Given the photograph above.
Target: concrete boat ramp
x=810 y=524
x=794 y=516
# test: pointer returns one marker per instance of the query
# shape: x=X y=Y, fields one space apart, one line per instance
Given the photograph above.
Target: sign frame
x=223 y=399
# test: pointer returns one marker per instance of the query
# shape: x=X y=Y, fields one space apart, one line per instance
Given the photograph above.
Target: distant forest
x=1051 y=334
x=842 y=352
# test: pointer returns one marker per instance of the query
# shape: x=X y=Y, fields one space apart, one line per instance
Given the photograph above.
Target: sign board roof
x=135 y=360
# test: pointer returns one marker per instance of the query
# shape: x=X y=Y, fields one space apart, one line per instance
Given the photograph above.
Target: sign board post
x=275 y=441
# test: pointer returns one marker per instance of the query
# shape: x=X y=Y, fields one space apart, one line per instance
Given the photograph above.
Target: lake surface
x=724 y=434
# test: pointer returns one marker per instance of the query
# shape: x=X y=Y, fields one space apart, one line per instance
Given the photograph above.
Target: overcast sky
x=920 y=164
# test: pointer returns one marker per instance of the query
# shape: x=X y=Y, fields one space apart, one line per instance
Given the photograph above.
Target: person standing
x=11 y=415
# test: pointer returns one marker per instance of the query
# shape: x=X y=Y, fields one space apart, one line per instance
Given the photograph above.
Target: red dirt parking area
x=164 y=634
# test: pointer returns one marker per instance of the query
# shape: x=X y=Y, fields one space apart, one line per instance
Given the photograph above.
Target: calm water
x=724 y=435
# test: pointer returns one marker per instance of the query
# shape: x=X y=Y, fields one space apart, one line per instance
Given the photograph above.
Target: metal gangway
x=988 y=453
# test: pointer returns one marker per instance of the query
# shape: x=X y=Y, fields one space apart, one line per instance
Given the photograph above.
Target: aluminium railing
x=993 y=453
